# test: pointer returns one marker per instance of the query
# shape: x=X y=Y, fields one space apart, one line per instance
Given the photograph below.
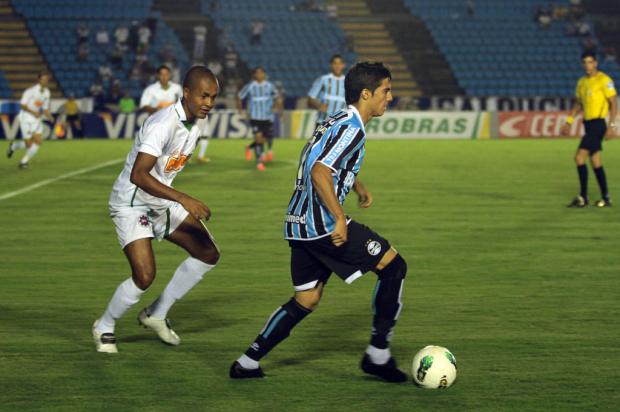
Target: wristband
x=570 y=120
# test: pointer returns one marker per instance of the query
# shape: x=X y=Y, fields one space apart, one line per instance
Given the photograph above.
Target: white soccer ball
x=434 y=367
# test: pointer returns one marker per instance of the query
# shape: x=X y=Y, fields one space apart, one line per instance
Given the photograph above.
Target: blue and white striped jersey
x=329 y=89
x=260 y=99
x=338 y=143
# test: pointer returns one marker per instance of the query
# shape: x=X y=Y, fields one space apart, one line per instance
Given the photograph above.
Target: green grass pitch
x=524 y=291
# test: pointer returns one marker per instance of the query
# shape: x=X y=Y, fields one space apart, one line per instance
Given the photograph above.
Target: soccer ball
x=434 y=367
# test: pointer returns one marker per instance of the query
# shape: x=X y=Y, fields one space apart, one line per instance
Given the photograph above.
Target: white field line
x=51 y=180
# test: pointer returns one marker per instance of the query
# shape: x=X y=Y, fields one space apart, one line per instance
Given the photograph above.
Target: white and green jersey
x=168 y=136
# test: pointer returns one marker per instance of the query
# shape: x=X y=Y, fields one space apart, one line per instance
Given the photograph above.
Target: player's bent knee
x=396 y=269
x=143 y=277
x=210 y=256
x=309 y=299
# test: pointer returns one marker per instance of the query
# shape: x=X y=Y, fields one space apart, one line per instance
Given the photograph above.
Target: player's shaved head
x=200 y=88
x=196 y=74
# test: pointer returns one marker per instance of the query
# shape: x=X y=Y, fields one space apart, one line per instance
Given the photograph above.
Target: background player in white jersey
x=327 y=92
x=162 y=93
x=262 y=101
x=34 y=104
x=143 y=206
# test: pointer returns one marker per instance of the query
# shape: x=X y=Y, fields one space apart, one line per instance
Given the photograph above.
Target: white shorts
x=29 y=128
x=133 y=223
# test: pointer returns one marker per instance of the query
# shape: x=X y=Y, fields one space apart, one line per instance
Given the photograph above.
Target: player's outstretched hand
x=196 y=208
x=611 y=131
x=364 y=199
x=339 y=235
x=565 y=129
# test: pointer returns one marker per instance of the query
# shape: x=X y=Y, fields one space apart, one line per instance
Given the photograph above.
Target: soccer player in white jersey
x=162 y=93
x=327 y=92
x=34 y=104
x=143 y=206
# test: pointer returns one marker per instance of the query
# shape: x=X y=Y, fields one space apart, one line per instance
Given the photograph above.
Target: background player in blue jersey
x=262 y=101
x=324 y=240
x=327 y=92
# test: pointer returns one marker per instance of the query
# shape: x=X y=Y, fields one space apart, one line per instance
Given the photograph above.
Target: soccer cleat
x=248 y=153
x=23 y=165
x=260 y=167
x=202 y=159
x=270 y=156
x=9 y=150
x=239 y=372
x=388 y=372
x=160 y=326
x=603 y=203
x=104 y=342
x=578 y=201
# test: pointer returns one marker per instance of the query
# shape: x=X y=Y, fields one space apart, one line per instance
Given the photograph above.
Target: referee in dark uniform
x=596 y=97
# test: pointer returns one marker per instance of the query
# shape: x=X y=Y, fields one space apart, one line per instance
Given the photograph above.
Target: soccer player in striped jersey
x=324 y=240
x=327 y=92
x=34 y=104
x=144 y=205
x=262 y=101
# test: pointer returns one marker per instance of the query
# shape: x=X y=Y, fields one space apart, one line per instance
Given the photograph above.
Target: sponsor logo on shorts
x=143 y=220
x=373 y=247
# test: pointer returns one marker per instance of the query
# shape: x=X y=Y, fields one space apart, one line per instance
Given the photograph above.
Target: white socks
x=127 y=294
x=202 y=150
x=378 y=356
x=32 y=150
x=18 y=145
x=248 y=363
x=187 y=275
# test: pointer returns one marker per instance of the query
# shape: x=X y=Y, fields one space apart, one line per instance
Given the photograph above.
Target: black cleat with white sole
x=239 y=372
x=10 y=151
x=388 y=372
x=578 y=202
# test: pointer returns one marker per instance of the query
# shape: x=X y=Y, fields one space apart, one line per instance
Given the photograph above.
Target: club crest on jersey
x=373 y=247
x=143 y=220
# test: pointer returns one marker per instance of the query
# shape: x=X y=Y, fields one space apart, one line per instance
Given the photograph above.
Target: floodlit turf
x=523 y=290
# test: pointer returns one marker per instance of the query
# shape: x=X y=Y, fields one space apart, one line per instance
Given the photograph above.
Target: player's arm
x=363 y=195
x=141 y=177
x=32 y=112
x=574 y=112
x=313 y=95
x=613 y=112
x=145 y=102
x=323 y=183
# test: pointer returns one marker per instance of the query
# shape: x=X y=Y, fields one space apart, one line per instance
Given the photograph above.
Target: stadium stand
x=296 y=44
x=54 y=25
x=499 y=49
x=5 y=90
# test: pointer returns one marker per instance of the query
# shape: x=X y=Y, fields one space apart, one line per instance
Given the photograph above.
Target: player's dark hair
x=163 y=67
x=362 y=76
x=195 y=74
x=334 y=57
x=43 y=73
x=588 y=53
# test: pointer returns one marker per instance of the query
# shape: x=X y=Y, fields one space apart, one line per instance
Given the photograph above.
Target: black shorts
x=313 y=261
x=71 y=118
x=592 y=141
x=263 y=126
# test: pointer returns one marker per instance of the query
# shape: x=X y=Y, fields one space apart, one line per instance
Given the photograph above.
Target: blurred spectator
x=132 y=41
x=214 y=6
x=559 y=13
x=582 y=29
x=71 y=109
x=83 y=31
x=332 y=11
x=102 y=38
x=588 y=44
x=200 y=37
x=144 y=37
x=167 y=52
x=470 y=8
x=83 y=51
x=543 y=17
x=96 y=92
x=256 y=29
x=230 y=63
x=121 y=34
x=126 y=104
x=116 y=57
x=610 y=54
x=216 y=67
x=113 y=96
x=105 y=71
